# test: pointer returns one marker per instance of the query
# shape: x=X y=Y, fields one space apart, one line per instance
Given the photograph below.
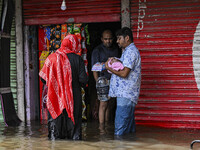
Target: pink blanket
x=115 y=66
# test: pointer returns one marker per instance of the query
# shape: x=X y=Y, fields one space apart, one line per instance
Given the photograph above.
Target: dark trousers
x=63 y=128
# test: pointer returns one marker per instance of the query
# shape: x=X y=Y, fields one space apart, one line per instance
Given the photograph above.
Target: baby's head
x=112 y=60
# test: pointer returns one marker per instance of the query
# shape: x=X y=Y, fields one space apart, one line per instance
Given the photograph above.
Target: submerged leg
x=124 y=119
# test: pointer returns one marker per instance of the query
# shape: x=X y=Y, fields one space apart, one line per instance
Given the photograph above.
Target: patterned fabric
x=58 y=76
x=117 y=65
x=128 y=87
x=83 y=104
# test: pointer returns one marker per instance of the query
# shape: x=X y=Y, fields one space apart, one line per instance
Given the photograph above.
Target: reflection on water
x=34 y=137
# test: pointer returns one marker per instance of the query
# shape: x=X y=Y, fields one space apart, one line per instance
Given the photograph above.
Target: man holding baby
x=125 y=83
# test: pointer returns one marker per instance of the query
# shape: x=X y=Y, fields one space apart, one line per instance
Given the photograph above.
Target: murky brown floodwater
x=34 y=137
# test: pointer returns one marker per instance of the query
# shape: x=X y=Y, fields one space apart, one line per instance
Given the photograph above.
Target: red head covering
x=70 y=44
x=58 y=76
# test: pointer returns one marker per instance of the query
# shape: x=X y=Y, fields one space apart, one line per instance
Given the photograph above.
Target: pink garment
x=115 y=66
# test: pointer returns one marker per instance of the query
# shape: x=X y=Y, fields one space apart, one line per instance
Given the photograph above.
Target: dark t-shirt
x=101 y=54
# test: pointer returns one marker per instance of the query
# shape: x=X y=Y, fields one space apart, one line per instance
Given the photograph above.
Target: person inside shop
x=100 y=54
x=125 y=84
x=64 y=74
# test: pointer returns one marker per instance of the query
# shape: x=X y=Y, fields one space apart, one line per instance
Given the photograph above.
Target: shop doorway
x=95 y=31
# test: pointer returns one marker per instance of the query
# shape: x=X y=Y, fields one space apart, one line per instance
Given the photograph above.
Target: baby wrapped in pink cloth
x=115 y=64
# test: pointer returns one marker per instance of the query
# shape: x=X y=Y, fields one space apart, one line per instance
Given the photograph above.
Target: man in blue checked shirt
x=125 y=84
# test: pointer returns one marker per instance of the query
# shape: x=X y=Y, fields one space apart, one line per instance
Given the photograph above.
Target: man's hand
x=106 y=63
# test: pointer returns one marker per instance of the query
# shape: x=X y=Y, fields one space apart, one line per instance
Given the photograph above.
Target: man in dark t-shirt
x=101 y=54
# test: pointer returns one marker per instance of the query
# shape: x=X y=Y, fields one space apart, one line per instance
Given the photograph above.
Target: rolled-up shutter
x=79 y=11
x=1 y=116
x=167 y=33
x=13 y=74
x=13 y=65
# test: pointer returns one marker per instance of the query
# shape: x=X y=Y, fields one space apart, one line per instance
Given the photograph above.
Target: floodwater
x=34 y=137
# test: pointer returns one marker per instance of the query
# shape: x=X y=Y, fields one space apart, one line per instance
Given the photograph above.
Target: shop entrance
x=92 y=38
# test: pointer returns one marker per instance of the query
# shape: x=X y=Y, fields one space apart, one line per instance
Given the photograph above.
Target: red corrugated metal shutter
x=167 y=33
x=78 y=11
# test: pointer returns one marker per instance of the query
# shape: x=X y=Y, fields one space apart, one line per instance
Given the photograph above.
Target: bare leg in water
x=103 y=115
